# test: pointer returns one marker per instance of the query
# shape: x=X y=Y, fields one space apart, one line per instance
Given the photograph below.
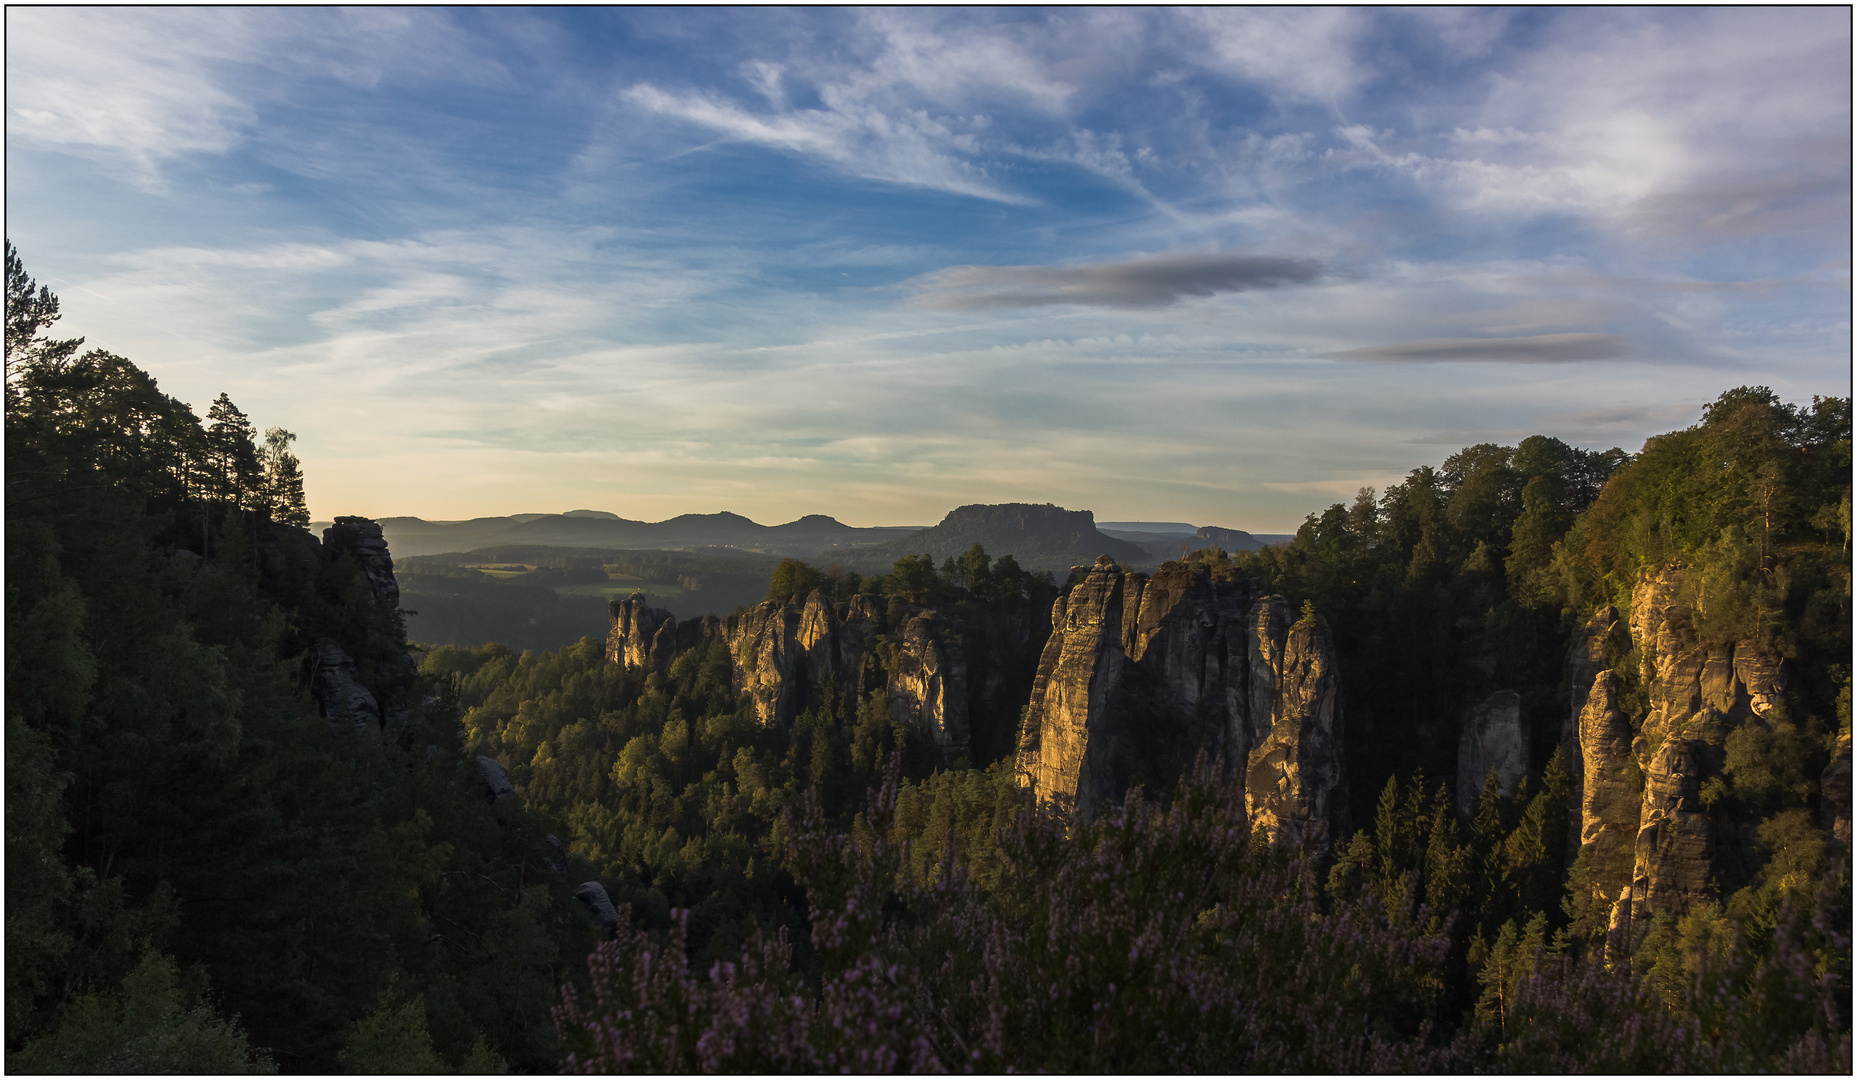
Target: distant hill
x=805 y=538
x=1147 y=528
x=1040 y=537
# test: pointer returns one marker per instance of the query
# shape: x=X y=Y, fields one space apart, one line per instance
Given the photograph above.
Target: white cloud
x=141 y=86
x=1296 y=53
x=135 y=82
x=913 y=149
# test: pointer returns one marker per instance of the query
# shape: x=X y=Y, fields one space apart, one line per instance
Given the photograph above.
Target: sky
x=1221 y=265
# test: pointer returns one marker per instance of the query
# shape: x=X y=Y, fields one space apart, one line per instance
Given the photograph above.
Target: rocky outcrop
x=592 y=896
x=1064 y=739
x=1586 y=658
x=639 y=635
x=1495 y=737
x=495 y=778
x=1175 y=663
x=928 y=689
x=1671 y=865
x=1296 y=763
x=361 y=537
x=1646 y=784
x=783 y=654
x=1610 y=801
x=335 y=683
x=769 y=660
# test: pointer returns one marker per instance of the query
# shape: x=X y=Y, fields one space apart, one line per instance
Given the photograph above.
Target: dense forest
x=251 y=829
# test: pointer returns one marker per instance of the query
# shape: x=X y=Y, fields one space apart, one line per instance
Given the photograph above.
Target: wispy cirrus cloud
x=917 y=151
x=1145 y=282
x=141 y=87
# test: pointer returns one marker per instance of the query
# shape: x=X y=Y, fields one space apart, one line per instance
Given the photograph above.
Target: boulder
x=495 y=778
x=592 y=896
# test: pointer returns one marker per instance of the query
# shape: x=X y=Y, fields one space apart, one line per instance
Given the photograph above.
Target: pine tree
x=283 y=479
x=232 y=458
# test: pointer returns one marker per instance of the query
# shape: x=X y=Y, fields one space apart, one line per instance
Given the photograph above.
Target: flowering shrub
x=1156 y=937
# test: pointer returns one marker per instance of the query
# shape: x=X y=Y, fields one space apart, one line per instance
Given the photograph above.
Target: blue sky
x=1223 y=266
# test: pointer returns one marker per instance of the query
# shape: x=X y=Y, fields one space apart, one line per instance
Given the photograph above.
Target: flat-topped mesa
x=1177 y=663
x=1647 y=785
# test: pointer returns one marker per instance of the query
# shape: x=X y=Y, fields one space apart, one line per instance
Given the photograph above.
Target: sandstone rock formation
x=1242 y=680
x=1610 y=800
x=1495 y=737
x=1647 y=784
x=362 y=538
x=1671 y=865
x=592 y=896
x=640 y=635
x=929 y=688
x=1080 y=667
x=335 y=683
x=495 y=778
x=781 y=655
x=1297 y=763
x=1586 y=658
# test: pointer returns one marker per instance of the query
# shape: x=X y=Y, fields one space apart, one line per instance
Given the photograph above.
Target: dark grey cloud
x=1148 y=281
x=1537 y=349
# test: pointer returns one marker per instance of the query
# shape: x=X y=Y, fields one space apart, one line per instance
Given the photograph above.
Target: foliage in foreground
x=1164 y=937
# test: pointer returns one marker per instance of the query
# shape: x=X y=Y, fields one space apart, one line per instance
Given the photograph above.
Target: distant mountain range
x=1041 y=537
x=805 y=538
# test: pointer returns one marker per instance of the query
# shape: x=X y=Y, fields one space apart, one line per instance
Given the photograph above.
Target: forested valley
x=251 y=828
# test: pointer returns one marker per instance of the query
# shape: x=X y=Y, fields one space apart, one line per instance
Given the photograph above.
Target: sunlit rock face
x=1610 y=788
x=1296 y=765
x=928 y=690
x=1587 y=656
x=1140 y=673
x=639 y=635
x=1080 y=668
x=1495 y=737
x=1647 y=782
x=783 y=654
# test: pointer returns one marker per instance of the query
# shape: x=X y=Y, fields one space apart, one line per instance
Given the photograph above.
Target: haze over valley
x=1104 y=540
